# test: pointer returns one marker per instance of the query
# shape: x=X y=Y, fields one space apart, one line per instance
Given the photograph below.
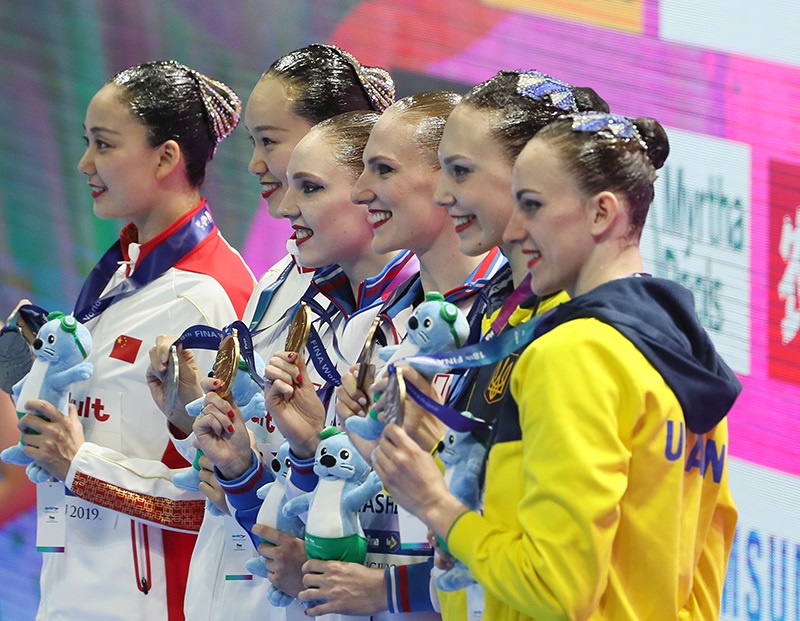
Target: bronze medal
x=394 y=399
x=172 y=381
x=298 y=331
x=227 y=363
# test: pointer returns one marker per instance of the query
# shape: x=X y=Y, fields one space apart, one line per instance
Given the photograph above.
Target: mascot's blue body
x=60 y=350
x=463 y=458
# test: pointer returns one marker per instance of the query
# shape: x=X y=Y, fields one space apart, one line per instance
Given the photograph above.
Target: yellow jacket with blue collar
x=607 y=496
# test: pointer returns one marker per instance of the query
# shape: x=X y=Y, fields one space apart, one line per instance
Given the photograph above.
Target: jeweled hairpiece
x=224 y=112
x=376 y=82
x=610 y=125
x=538 y=86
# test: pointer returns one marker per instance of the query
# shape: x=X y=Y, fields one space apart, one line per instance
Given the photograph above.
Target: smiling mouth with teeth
x=463 y=222
x=97 y=190
x=267 y=189
x=302 y=234
x=379 y=218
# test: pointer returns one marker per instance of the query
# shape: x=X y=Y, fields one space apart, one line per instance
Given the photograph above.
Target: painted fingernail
x=216 y=383
x=291 y=355
x=230 y=428
x=299 y=380
x=231 y=414
x=362 y=401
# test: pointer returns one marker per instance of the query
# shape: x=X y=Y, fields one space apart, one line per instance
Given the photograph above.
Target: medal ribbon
x=164 y=256
x=206 y=337
x=478 y=355
x=265 y=298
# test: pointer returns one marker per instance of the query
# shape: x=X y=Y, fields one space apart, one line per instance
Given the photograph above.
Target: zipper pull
x=145 y=586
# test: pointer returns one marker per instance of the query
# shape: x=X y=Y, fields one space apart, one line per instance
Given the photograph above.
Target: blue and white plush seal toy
x=60 y=350
x=462 y=455
x=333 y=530
x=273 y=496
x=434 y=327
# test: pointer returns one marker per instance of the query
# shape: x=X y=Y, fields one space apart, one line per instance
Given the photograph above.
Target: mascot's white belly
x=325 y=515
x=268 y=514
x=32 y=385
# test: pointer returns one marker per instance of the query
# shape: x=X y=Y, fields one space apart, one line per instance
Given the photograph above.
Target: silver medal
x=394 y=399
x=171 y=381
x=16 y=358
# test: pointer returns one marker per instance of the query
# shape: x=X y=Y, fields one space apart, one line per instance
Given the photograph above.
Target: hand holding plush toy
x=333 y=529
x=463 y=456
x=273 y=496
x=435 y=326
x=60 y=350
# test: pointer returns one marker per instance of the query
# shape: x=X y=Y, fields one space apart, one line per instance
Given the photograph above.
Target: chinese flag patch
x=126 y=348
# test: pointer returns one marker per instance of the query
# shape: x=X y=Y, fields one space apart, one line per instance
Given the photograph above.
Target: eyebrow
x=268 y=128
x=375 y=158
x=305 y=175
x=97 y=130
x=453 y=158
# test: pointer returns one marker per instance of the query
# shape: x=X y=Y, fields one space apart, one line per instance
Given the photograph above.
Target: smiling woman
x=329 y=227
x=150 y=132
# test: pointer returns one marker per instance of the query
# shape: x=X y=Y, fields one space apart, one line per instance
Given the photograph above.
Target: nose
x=37 y=344
x=514 y=232
x=361 y=194
x=328 y=460
x=86 y=164
x=287 y=208
x=441 y=196
x=257 y=165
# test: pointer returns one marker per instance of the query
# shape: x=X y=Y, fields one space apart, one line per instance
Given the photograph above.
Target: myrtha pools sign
x=698 y=234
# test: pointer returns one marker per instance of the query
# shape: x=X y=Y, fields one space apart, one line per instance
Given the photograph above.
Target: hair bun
x=655 y=138
x=587 y=99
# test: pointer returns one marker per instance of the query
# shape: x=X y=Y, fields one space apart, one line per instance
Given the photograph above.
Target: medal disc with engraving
x=366 y=370
x=226 y=363
x=16 y=358
x=172 y=381
x=298 y=331
x=394 y=399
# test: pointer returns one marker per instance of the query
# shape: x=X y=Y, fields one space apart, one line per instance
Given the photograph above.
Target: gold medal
x=227 y=363
x=366 y=370
x=298 y=331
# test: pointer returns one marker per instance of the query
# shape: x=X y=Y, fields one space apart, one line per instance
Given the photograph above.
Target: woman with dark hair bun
x=150 y=132
x=299 y=90
x=607 y=491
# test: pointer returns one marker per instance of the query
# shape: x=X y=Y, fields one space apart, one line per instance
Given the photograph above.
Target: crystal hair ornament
x=613 y=126
x=223 y=111
x=376 y=82
x=537 y=86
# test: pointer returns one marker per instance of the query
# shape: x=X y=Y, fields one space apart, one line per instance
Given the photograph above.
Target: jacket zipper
x=141 y=559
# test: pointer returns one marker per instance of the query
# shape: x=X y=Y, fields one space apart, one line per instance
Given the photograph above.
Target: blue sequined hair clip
x=610 y=125
x=538 y=86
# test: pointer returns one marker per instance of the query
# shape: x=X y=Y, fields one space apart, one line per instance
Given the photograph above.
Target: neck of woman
x=444 y=269
x=160 y=216
x=366 y=266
